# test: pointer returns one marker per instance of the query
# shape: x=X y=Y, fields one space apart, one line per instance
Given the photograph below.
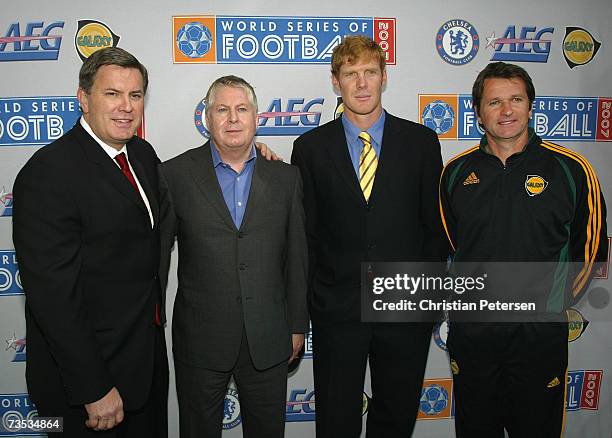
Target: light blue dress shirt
x=355 y=145
x=234 y=186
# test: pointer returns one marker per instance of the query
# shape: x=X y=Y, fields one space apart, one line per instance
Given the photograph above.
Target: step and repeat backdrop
x=434 y=49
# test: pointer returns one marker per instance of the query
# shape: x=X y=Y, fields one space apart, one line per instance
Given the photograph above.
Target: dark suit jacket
x=401 y=222
x=253 y=277
x=88 y=260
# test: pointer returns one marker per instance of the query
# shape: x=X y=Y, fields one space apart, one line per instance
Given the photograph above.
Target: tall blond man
x=370 y=194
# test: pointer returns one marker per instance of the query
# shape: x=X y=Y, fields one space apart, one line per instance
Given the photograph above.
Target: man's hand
x=105 y=413
x=298 y=343
x=267 y=153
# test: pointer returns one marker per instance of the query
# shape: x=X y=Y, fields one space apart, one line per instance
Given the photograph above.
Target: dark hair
x=501 y=70
x=229 y=81
x=109 y=56
x=357 y=48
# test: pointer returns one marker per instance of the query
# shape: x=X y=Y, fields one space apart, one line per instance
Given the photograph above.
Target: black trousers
x=509 y=376
x=262 y=395
x=151 y=420
x=397 y=354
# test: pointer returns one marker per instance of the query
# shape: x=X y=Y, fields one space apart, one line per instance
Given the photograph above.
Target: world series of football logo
x=230 y=39
x=555 y=118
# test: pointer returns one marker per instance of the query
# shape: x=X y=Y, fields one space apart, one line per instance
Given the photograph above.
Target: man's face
x=504 y=109
x=114 y=106
x=232 y=119
x=361 y=87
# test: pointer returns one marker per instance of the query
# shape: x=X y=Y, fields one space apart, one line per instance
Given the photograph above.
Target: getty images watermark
x=474 y=291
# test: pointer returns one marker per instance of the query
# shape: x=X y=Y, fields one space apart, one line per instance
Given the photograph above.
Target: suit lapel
x=338 y=150
x=145 y=183
x=203 y=173
x=107 y=168
x=259 y=186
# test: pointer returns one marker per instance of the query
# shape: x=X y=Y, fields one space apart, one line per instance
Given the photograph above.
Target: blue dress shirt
x=355 y=145
x=234 y=186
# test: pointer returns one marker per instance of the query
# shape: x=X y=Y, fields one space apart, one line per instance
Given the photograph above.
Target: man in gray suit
x=240 y=307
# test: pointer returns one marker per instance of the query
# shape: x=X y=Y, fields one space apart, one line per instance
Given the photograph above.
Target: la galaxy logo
x=19 y=346
x=365 y=404
x=92 y=36
x=339 y=108
x=576 y=324
x=535 y=184
x=6 y=203
x=579 y=46
x=231 y=409
x=457 y=42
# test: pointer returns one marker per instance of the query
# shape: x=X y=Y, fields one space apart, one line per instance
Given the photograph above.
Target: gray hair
x=229 y=81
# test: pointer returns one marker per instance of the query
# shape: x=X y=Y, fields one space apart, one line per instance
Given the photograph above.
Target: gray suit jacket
x=253 y=277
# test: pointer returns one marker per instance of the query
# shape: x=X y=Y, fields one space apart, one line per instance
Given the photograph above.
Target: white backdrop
x=572 y=110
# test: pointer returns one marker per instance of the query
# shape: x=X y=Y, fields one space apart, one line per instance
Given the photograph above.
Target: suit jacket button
x=240 y=235
x=242 y=266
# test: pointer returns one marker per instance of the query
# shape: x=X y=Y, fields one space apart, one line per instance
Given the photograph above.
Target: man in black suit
x=85 y=229
x=370 y=194
x=240 y=308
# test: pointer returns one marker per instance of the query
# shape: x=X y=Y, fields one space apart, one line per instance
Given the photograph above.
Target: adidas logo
x=554 y=382
x=471 y=179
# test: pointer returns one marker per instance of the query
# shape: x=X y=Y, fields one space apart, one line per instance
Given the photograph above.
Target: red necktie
x=125 y=168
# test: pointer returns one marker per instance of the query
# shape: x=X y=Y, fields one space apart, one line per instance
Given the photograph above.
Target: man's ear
x=335 y=82
x=83 y=100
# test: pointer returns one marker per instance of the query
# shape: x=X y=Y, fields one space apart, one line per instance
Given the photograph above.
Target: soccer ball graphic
x=439 y=116
x=194 y=39
x=434 y=399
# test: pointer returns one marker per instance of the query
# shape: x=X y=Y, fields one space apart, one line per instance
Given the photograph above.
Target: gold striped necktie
x=367 y=165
